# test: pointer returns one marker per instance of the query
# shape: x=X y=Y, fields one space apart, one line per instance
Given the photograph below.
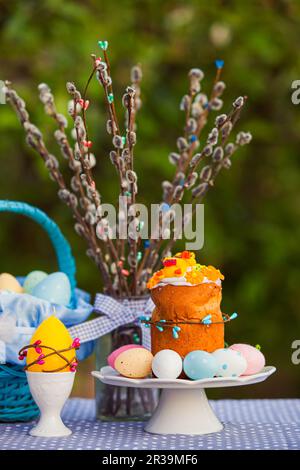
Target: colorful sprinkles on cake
x=183 y=268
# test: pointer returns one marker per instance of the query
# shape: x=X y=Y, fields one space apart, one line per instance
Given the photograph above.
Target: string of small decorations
x=160 y=325
x=42 y=356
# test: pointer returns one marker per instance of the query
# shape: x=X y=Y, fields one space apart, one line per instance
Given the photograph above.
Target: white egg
x=167 y=364
x=230 y=363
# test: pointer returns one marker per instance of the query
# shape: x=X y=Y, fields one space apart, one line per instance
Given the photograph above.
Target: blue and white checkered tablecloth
x=249 y=424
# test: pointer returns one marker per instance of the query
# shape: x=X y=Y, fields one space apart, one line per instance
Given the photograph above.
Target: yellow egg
x=9 y=282
x=51 y=333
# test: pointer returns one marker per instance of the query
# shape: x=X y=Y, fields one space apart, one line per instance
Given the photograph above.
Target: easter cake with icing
x=187 y=298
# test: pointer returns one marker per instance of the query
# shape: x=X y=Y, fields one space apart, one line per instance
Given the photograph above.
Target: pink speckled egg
x=113 y=356
x=131 y=361
x=134 y=363
x=255 y=358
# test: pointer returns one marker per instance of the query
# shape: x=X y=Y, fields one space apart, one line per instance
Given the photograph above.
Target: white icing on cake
x=181 y=281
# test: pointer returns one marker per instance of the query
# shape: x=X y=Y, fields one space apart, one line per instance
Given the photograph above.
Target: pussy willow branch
x=132 y=102
x=216 y=166
x=103 y=74
x=47 y=99
x=84 y=158
x=202 y=119
x=127 y=163
x=225 y=125
x=185 y=152
x=111 y=249
x=35 y=140
x=110 y=90
x=106 y=82
x=90 y=221
x=130 y=143
x=209 y=172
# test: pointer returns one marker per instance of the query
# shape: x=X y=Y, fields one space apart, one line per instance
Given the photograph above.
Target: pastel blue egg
x=200 y=365
x=55 y=288
x=32 y=280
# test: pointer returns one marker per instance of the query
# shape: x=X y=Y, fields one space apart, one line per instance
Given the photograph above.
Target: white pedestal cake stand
x=183 y=407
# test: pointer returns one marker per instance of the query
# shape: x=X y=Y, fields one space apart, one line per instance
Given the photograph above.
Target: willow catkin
x=131 y=138
x=60 y=137
x=118 y=142
x=72 y=106
x=79 y=229
x=213 y=136
x=182 y=144
x=218 y=154
x=111 y=127
x=33 y=130
x=126 y=100
x=196 y=159
x=220 y=120
x=243 y=138
x=185 y=103
x=191 y=125
x=239 y=102
x=174 y=158
x=216 y=104
x=51 y=162
x=75 y=184
x=200 y=190
x=131 y=176
x=196 y=73
x=179 y=178
x=136 y=74
x=178 y=193
x=197 y=110
x=191 y=180
x=219 y=88
x=201 y=98
x=166 y=185
x=71 y=88
x=206 y=173
x=226 y=129
x=229 y=149
x=227 y=163
x=207 y=151
x=113 y=157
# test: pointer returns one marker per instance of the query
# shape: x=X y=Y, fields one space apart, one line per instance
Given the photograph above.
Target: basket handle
x=66 y=262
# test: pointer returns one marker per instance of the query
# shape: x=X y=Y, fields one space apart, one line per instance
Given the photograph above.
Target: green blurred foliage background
x=252 y=215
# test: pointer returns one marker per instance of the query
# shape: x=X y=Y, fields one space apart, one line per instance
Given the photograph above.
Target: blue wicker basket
x=16 y=403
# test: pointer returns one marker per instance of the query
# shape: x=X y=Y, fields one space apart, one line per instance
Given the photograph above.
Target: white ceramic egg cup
x=50 y=391
x=183 y=407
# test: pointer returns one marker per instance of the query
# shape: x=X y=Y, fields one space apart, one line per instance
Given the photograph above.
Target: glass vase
x=121 y=403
